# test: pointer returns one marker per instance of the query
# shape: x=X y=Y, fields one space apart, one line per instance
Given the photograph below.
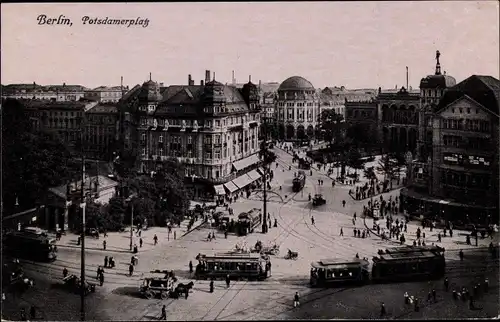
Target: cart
x=318 y=200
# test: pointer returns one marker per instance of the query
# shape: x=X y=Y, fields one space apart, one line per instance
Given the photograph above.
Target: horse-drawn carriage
x=292 y=255
x=163 y=284
x=318 y=200
x=74 y=284
x=267 y=250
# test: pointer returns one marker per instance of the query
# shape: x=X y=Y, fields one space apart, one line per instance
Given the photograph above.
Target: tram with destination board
x=248 y=266
x=335 y=271
x=35 y=245
x=398 y=264
x=248 y=221
x=299 y=181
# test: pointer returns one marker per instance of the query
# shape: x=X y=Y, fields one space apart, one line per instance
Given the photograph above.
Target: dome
x=437 y=81
x=150 y=91
x=297 y=83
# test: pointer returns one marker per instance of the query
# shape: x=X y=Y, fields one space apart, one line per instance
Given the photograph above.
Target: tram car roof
x=24 y=235
x=339 y=263
x=231 y=257
x=411 y=249
x=405 y=256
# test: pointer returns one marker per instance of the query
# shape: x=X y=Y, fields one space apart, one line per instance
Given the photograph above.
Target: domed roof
x=437 y=81
x=296 y=83
x=150 y=90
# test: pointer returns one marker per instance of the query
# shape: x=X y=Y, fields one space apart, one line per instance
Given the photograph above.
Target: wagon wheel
x=163 y=295
x=149 y=295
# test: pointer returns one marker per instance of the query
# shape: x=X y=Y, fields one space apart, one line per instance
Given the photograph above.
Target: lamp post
x=129 y=199
x=82 y=252
x=264 y=153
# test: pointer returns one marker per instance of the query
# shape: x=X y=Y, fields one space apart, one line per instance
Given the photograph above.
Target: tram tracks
x=208 y=316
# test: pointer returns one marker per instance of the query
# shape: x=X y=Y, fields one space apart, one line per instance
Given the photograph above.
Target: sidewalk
x=119 y=242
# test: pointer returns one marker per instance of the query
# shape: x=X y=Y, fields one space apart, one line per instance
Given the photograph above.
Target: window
x=161 y=139
x=468 y=111
x=217 y=154
x=161 y=151
x=217 y=123
x=143 y=137
x=189 y=139
x=143 y=151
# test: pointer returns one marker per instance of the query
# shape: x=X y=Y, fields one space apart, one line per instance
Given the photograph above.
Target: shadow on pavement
x=128 y=291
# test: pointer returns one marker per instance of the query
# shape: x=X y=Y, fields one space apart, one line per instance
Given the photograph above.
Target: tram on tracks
x=248 y=221
x=398 y=264
x=35 y=244
x=248 y=266
x=299 y=181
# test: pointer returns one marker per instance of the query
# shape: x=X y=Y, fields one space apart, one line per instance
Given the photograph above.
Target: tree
x=332 y=126
x=389 y=167
x=115 y=213
x=370 y=174
x=354 y=160
x=33 y=161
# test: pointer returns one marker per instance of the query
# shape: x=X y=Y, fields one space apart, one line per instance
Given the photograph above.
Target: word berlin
x=122 y=22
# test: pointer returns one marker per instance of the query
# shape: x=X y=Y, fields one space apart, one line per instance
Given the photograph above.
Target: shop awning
x=242 y=181
x=219 y=190
x=254 y=175
x=230 y=186
x=246 y=162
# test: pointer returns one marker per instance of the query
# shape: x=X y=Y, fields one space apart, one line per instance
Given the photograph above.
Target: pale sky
x=354 y=44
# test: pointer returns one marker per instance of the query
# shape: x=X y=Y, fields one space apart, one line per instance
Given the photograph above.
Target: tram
x=327 y=272
x=299 y=182
x=249 y=266
x=27 y=244
x=248 y=221
x=398 y=264
x=409 y=263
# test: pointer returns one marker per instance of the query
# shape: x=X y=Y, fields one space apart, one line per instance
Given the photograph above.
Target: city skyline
x=270 y=41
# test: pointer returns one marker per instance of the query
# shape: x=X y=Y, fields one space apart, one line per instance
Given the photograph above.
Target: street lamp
x=129 y=199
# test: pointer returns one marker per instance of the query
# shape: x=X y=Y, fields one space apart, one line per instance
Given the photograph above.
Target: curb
x=193 y=229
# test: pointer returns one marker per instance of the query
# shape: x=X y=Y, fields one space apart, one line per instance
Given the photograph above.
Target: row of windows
x=460 y=179
x=59 y=113
x=194 y=123
x=466 y=143
x=466 y=125
x=357 y=113
x=177 y=150
x=462 y=110
x=291 y=104
x=432 y=92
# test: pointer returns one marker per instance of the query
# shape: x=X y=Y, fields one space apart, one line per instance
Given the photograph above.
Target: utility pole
x=264 y=153
x=131 y=225
x=82 y=258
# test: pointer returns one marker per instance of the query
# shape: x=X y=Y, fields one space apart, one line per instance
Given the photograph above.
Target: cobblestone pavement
x=270 y=299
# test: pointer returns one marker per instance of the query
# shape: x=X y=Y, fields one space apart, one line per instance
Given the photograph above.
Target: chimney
x=201 y=82
x=233 y=80
x=407 y=77
x=189 y=80
x=207 y=76
x=249 y=78
x=214 y=77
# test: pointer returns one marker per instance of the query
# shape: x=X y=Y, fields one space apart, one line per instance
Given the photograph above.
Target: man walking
x=155 y=239
x=382 y=310
x=163 y=313
x=190 y=267
x=228 y=281
x=296 y=299
x=341 y=232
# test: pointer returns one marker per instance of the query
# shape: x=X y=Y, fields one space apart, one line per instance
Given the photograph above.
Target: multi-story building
x=297 y=109
x=362 y=118
x=106 y=94
x=398 y=119
x=59 y=93
x=64 y=118
x=458 y=179
x=336 y=97
x=211 y=128
x=100 y=135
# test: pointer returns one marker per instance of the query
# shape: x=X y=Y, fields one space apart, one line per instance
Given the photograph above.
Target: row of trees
x=32 y=161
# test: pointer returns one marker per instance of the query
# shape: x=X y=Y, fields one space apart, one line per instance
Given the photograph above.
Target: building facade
x=106 y=94
x=398 y=119
x=59 y=93
x=458 y=179
x=101 y=130
x=336 y=98
x=211 y=128
x=362 y=119
x=297 y=109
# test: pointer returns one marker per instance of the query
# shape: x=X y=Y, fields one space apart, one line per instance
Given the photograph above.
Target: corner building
x=297 y=109
x=211 y=128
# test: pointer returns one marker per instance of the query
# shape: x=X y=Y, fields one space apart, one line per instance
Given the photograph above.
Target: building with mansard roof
x=211 y=128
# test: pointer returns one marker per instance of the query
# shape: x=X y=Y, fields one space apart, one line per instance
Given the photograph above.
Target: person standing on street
x=341 y=232
x=296 y=301
x=190 y=267
x=382 y=310
x=163 y=313
x=140 y=242
x=228 y=281
x=101 y=278
x=130 y=269
x=211 y=285
x=106 y=260
x=155 y=239
x=446 y=284
x=312 y=220
x=104 y=244
x=343 y=203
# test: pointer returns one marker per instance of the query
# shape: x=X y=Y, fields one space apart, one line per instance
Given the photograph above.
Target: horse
x=183 y=288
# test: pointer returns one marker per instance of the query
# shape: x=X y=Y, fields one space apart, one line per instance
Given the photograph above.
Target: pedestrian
x=228 y=281
x=434 y=295
x=65 y=272
x=131 y=269
x=343 y=203
x=461 y=255
x=98 y=272
x=190 y=267
x=429 y=296
x=407 y=298
x=225 y=234
x=140 y=242
x=106 y=261
x=163 y=313
x=101 y=278
x=213 y=235
x=382 y=309
x=439 y=237
x=79 y=240
x=187 y=293
x=416 y=307
x=312 y=220
x=209 y=238
x=111 y=262
x=341 y=232
x=33 y=312
x=357 y=255
x=155 y=239
x=446 y=284
x=486 y=284
x=211 y=285
x=175 y=235
x=296 y=301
